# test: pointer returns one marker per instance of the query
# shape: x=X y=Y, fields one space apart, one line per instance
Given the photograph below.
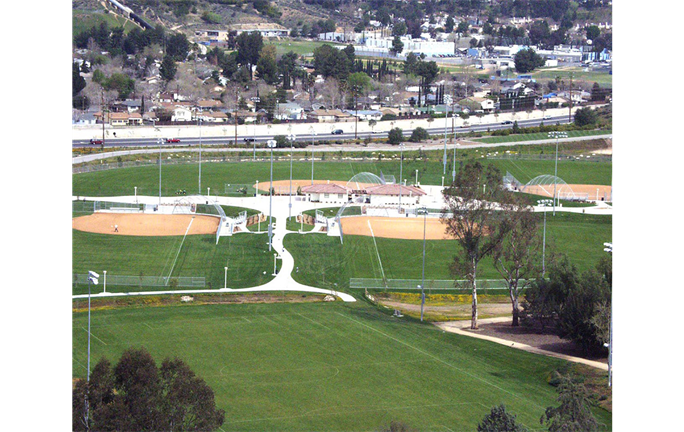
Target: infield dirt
x=145 y=224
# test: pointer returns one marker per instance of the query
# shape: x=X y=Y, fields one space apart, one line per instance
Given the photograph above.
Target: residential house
x=332 y=115
x=289 y=111
x=477 y=104
x=209 y=104
x=212 y=116
x=366 y=115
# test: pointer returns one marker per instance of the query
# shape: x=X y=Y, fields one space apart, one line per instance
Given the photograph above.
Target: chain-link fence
x=145 y=281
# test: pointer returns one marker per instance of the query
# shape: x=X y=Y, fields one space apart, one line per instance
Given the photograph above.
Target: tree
x=419 y=134
x=585 y=117
x=399 y=29
x=498 y=420
x=357 y=83
x=593 y=32
x=395 y=136
x=78 y=83
x=449 y=24
x=177 y=46
x=573 y=414
x=168 y=69
x=516 y=258
x=397 y=45
x=135 y=395
x=471 y=216
x=249 y=47
x=527 y=60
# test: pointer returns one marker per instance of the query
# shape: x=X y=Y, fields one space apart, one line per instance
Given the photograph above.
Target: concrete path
x=280 y=211
x=458 y=326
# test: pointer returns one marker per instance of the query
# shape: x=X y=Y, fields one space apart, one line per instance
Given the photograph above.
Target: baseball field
x=316 y=365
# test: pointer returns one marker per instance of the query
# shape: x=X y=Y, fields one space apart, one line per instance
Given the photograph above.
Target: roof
x=325 y=188
x=393 y=189
x=208 y=103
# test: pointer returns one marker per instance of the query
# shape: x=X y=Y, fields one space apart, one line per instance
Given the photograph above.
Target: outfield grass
x=303 y=48
x=538 y=136
x=215 y=175
x=329 y=366
x=245 y=255
x=322 y=260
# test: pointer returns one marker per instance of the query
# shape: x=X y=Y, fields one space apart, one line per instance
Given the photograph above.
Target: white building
x=326 y=193
x=429 y=48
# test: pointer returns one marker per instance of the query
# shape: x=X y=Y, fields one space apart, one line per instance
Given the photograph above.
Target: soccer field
x=329 y=366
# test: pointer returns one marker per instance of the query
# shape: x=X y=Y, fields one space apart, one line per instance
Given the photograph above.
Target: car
x=96 y=141
x=249 y=140
x=465 y=125
x=547 y=117
x=507 y=122
x=172 y=140
x=338 y=132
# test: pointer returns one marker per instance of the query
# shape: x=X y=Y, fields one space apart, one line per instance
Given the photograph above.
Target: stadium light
x=92 y=279
x=104 y=288
x=225 y=277
x=135 y=193
x=556 y=135
x=271 y=144
x=160 y=163
x=199 y=185
x=447 y=102
x=609 y=248
x=292 y=139
x=401 y=171
x=544 y=203
x=423 y=211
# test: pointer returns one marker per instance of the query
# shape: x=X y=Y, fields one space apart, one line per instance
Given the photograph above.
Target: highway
x=226 y=141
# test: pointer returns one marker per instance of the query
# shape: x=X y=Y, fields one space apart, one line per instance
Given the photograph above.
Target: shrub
x=395 y=136
x=419 y=134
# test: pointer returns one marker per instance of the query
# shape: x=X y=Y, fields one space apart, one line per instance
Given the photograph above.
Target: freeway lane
x=225 y=141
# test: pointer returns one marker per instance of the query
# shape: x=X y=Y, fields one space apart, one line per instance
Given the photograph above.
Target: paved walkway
x=458 y=326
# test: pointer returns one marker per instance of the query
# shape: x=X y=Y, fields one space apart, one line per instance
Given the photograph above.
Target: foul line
x=376 y=251
x=179 y=248
x=91 y=334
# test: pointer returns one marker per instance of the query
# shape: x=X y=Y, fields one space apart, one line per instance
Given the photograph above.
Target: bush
x=388 y=117
x=211 y=17
x=585 y=117
x=419 y=134
x=395 y=136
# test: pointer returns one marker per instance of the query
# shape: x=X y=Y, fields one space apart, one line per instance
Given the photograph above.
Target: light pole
x=401 y=171
x=199 y=186
x=271 y=144
x=135 y=193
x=93 y=279
x=105 y=282
x=453 y=172
x=447 y=102
x=556 y=134
x=160 y=144
x=292 y=138
x=225 y=277
x=416 y=177
x=424 y=212
x=544 y=203
x=313 y=134
x=609 y=248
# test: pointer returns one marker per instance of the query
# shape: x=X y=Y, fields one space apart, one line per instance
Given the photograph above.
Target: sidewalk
x=458 y=326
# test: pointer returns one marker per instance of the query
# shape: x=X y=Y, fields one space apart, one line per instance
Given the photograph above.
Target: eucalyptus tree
x=473 y=216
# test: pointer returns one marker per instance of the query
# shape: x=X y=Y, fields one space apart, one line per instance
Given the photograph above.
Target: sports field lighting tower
x=556 y=135
x=199 y=185
x=608 y=247
x=271 y=144
x=401 y=171
x=447 y=102
x=544 y=203
x=313 y=135
x=292 y=139
x=93 y=279
x=160 y=163
x=423 y=211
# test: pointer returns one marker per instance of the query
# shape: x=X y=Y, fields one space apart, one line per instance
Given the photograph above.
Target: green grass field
x=216 y=175
x=329 y=366
x=322 y=260
x=537 y=136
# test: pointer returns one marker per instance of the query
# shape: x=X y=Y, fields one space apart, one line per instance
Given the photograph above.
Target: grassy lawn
x=329 y=366
x=245 y=255
x=293 y=225
x=84 y=21
x=603 y=78
x=216 y=175
x=537 y=136
x=303 y=48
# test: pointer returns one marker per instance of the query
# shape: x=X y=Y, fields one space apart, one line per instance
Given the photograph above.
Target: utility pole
x=237 y=92
x=570 y=104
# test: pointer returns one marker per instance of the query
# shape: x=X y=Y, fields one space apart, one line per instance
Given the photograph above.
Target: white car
x=547 y=117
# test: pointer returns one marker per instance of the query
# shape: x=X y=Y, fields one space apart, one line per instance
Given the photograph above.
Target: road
x=224 y=134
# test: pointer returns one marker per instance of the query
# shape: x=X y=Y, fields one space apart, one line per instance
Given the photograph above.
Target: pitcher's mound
x=145 y=224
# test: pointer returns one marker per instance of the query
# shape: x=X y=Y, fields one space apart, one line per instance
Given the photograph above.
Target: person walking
x=116 y=228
